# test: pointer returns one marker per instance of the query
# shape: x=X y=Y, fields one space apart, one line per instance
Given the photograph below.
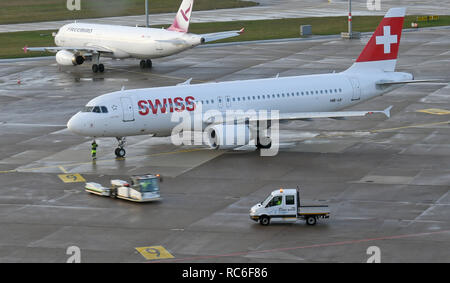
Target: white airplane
x=148 y=111
x=79 y=42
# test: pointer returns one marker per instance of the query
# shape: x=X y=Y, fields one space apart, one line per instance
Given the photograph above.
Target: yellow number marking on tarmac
x=155 y=252
x=71 y=178
x=435 y=111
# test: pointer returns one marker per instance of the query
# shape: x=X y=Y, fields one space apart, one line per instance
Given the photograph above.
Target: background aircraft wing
x=88 y=49
x=221 y=35
x=240 y=118
x=388 y=83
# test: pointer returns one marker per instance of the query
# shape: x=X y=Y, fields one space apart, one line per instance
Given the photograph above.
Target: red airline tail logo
x=184 y=13
x=385 y=42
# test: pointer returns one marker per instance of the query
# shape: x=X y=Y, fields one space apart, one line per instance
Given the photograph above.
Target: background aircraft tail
x=381 y=51
x=183 y=17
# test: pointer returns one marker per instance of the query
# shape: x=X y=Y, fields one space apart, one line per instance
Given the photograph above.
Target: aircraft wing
x=88 y=49
x=240 y=118
x=221 y=35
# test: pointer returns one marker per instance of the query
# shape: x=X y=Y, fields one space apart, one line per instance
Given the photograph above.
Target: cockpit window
x=95 y=109
x=87 y=109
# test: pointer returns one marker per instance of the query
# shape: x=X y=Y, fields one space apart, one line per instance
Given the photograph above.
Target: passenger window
x=104 y=109
x=290 y=200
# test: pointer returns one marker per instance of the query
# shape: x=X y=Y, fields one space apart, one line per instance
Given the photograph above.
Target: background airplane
x=148 y=111
x=78 y=42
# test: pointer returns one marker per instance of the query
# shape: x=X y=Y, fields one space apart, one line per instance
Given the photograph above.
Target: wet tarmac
x=387 y=181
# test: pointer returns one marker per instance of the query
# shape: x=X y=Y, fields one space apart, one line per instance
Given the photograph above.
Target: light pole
x=146 y=14
x=350 y=34
x=350 y=18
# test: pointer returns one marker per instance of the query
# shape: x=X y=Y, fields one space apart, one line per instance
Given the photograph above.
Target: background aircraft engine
x=67 y=58
x=223 y=136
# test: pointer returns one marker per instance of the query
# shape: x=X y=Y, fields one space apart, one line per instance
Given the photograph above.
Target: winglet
x=241 y=31
x=387 y=111
x=25 y=49
x=188 y=82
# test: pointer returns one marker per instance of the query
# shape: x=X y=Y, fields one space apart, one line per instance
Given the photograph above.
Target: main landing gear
x=262 y=140
x=120 y=150
x=146 y=64
x=98 y=68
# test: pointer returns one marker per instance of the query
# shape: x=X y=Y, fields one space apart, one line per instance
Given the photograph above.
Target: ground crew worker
x=94 y=150
x=279 y=201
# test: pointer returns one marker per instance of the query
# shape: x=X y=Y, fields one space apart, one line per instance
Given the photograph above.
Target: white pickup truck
x=284 y=205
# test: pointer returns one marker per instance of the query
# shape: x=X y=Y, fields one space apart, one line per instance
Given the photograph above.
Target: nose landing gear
x=120 y=150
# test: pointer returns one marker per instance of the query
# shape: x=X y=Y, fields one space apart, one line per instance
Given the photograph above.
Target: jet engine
x=222 y=136
x=67 y=58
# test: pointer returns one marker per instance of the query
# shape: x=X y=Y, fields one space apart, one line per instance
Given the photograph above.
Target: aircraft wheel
x=101 y=68
x=120 y=152
x=143 y=64
x=267 y=143
x=95 y=68
x=149 y=63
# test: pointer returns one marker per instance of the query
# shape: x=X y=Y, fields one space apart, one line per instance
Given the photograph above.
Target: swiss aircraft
x=148 y=111
x=79 y=42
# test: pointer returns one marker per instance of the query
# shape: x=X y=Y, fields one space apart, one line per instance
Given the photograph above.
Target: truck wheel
x=264 y=220
x=311 y=220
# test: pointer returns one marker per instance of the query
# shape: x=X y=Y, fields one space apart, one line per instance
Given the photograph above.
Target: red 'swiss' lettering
x=190 y=101
x=157 y=105
x=177 y=104
x=143 y=110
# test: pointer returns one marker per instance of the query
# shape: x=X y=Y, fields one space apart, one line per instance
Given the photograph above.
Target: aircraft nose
x=75 y=125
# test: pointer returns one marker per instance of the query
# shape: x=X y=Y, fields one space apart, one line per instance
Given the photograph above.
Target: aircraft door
x=127 y=108
x=356 y=89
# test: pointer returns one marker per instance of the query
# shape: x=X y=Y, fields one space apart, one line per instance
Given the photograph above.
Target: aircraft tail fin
x=381 y=51
x=183 y=17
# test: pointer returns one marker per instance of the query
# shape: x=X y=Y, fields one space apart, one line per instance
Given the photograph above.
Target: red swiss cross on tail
x=385 y=42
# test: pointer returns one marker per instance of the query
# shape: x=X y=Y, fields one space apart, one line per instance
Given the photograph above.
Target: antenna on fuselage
x=123 y=88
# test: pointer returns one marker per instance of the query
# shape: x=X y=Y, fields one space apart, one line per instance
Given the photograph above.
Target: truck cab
x=284 y=205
